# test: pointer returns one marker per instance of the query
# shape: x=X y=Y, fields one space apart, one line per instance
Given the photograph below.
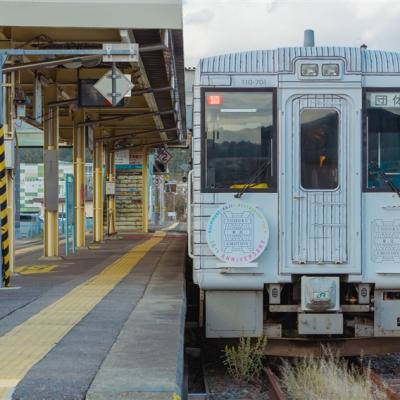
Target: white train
x=294 y=222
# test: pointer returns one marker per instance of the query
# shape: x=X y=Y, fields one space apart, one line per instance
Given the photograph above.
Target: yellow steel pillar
x=10 y=135
x=11 y=217
x=145 y=191
x=98 y=195
x=51 y=130
x=111 y=210
x=79 y=179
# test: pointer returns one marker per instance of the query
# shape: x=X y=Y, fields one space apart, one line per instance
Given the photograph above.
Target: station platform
x=107 y=323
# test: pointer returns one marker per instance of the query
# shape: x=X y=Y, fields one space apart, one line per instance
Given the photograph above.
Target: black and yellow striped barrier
x=3 y=214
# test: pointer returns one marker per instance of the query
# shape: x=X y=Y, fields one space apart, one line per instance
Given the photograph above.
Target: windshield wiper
x=253 y=179
x=386 y=178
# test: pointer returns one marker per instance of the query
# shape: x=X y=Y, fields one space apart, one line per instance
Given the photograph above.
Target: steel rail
x=384 y=385
x=276 y=387
x=380 y=382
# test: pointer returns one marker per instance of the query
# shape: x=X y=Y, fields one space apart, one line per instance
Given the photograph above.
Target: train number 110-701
x=256 y=82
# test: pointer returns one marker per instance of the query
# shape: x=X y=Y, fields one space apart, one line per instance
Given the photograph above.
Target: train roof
x=281 y=60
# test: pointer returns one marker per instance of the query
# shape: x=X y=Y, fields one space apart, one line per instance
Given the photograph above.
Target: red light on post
x=214 y=100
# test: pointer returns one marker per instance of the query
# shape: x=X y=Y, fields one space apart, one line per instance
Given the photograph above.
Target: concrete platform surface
x=146 y=361
x=105 y=324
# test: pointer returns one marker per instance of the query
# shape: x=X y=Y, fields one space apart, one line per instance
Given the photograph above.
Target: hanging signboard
x=164 y=156
x=123 y=86
x=125 y=159
x=158 y=180
x=122 y=157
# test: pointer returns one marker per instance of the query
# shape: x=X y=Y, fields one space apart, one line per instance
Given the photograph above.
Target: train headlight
x=330 y=70
x=309 y=70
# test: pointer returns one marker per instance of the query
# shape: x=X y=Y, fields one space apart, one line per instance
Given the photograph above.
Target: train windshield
x=383 y=140
x=239 y=140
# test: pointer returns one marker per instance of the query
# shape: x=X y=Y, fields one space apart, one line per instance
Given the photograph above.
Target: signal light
x=214 y=100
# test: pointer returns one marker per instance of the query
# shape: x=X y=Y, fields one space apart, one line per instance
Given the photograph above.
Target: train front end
x=294 y=220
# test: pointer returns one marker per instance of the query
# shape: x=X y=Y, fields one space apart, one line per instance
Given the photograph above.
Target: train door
x=321 y=200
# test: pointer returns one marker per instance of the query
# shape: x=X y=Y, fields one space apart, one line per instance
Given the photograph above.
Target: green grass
x=244 y=362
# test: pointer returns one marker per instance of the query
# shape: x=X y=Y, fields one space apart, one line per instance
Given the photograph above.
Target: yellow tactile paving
x=35 y=269
x=28 y=343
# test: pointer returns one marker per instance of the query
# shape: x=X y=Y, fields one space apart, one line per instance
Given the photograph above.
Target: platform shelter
x=104 y=77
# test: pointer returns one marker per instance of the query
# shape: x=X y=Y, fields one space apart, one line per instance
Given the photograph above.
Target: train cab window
x=383 y=141
x=239 y=141
x=319 y=149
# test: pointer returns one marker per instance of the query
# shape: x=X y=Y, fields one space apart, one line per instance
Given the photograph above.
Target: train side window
x=383 y=140
x=319 y=149
x=239 y=140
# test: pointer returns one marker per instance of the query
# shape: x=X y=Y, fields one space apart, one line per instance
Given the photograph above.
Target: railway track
x=390 y=385
x=276 y=390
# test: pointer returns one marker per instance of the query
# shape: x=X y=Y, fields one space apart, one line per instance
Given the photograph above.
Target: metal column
x=111 y=211
x=145 y=191
x=69 y=214
x=51 y=133
x=79 y=180
x=98 y=195
x=10 y=118
x=162 y=202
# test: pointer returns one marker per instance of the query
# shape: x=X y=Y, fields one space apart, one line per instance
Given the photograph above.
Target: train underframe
x=358 y=319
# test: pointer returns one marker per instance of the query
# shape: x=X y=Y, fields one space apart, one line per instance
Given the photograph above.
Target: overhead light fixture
x=330 y=69
x=309 y=69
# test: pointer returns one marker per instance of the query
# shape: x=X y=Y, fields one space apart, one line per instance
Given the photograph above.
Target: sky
x=214 y=27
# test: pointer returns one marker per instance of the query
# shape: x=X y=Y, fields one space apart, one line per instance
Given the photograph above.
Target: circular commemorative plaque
x=237 y=233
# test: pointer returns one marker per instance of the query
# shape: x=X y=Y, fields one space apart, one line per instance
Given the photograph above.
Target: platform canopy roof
x=139 y=14
x=152 y=116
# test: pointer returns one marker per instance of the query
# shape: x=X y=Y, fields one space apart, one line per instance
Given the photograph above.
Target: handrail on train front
x=189 y=215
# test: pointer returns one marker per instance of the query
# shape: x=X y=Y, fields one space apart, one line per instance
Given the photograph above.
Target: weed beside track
x=328 y=378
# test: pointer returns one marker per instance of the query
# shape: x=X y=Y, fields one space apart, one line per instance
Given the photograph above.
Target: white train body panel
x=349 y=231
